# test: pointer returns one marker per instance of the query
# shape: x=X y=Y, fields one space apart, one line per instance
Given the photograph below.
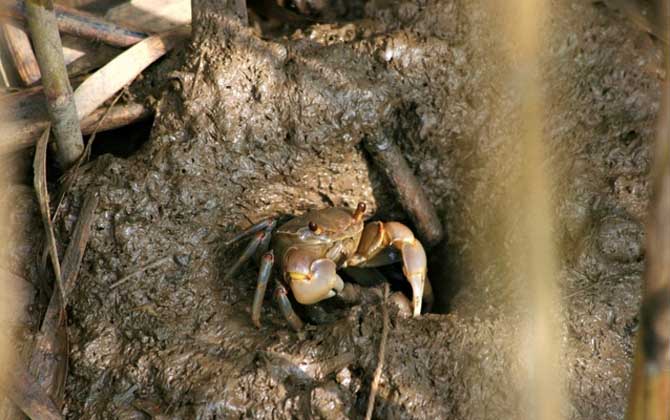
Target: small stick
x=140 y=270
x=390 y=160
x=18 y=44
x=40 y=183
x=380 y=358
x=80 y=24
x=57 y=89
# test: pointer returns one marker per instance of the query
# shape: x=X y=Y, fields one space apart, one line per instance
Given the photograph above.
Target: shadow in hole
x=122 y=142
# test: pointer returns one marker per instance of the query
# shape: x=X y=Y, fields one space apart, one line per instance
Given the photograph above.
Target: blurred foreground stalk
x=57 y=88
x=534 y=257
x=650 y=390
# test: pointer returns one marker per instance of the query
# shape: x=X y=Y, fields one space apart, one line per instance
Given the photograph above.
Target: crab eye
x=314 y=228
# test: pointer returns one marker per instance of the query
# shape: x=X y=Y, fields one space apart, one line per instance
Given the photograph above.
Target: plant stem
x=61 y=106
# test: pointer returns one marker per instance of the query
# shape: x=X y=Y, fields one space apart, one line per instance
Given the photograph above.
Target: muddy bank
x=253 y=127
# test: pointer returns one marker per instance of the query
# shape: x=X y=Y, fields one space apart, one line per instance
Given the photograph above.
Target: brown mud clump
x=254 y=127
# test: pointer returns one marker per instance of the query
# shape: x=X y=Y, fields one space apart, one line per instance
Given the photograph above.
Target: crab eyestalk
x=359 y=212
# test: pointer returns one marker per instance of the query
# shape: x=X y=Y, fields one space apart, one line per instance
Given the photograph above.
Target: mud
x=253 y=127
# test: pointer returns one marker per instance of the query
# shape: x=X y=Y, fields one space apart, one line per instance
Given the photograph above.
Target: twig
x=18 y=44
x=124 y=69
x=140 y=270
x=60 y=102
x=380 y=358
x=390 y=160
x=40 y=183
x=49 y=358
x=80 y=24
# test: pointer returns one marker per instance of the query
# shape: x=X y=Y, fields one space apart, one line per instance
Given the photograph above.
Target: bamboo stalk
x=60 y=101
x=80 y=24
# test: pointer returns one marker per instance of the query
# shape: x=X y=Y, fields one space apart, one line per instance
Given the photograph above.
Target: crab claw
x=379 y=245
x=414 y=268
x=311 y=281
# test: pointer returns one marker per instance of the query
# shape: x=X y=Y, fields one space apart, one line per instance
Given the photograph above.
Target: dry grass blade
x=124 y=69
x=380 y=356
x=57 y=88
x=26 y=393
x=40 y=183
x=49 y=358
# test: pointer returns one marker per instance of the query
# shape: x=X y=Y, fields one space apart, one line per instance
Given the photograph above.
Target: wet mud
x=254 y=126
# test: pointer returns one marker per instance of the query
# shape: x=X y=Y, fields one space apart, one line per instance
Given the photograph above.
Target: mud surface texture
x=254 y=127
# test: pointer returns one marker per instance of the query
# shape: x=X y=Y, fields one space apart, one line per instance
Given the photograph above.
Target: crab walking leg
x=249 y=252
x=266 y=225
x=286 y=309
x=263 y=276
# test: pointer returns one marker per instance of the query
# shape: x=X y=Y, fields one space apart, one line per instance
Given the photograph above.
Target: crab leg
x=249 y=252
x=286 y=309
x=266 y=225
x=263 y=276
x=379 y=245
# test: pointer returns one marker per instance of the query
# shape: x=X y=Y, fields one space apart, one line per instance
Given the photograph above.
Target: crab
x=308 y=250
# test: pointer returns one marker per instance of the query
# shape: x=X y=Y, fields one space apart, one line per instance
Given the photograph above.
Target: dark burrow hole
x=122 y=142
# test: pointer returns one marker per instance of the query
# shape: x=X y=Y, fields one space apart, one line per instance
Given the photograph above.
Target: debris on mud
x=260 y=124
